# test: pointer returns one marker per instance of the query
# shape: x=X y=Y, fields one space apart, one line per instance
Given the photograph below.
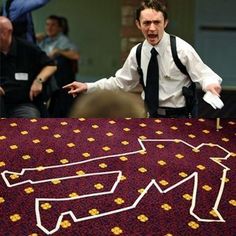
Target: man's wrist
x=39 y=80
x=2 y=92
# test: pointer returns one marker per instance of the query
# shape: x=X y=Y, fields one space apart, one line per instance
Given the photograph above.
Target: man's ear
x=138 y=24
x=166 y=23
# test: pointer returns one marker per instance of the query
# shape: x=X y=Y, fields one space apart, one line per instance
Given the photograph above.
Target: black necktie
x=152 y=84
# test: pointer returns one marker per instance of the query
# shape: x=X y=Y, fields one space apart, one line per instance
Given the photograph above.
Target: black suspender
x=177 y=61
x=139 y=69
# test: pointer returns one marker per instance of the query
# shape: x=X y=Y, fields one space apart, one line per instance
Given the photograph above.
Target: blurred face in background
x=5 y=34
x=52 y=28
x=152 y=24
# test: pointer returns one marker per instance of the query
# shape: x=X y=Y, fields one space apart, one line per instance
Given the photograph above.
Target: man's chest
x=10 y=65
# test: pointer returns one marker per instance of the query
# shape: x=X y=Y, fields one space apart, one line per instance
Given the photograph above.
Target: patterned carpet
x=167 y=177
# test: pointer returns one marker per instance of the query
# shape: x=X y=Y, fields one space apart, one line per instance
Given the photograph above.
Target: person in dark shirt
x=24 y=70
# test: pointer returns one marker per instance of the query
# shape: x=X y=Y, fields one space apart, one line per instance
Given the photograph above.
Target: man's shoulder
x=24 y=47
x=182 y=44
x=185 y=50
x=62 y=41
x=25 y=43
x=138 y=46
x=62 y=37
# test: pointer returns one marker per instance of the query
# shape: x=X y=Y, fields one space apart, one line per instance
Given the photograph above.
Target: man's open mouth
x=152 y=36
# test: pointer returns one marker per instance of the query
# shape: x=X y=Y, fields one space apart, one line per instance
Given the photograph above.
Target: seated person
x=24 y=69
x=108 y=104
x=58 y=47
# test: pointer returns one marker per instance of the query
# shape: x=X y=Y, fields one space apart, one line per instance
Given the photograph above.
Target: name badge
x=22 y=76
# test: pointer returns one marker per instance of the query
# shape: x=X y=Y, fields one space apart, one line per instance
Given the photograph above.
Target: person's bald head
x=5 y=24
x=6 y=29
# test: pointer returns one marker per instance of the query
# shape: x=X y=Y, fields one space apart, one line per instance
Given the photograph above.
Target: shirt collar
x=160 y=47
x=50 y=39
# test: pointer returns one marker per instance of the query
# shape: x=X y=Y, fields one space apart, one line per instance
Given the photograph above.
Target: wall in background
x=182 y=19
x=215 y=37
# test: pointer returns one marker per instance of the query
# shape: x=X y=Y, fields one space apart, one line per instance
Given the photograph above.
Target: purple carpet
x=117 y=177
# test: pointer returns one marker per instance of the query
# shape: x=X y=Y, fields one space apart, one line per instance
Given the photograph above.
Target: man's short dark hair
x=158 y=5
x=55 y=18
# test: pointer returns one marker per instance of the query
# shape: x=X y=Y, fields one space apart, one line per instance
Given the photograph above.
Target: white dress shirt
x=171 y=79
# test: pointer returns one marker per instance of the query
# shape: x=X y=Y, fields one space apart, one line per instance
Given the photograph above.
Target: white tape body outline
x=153 y=182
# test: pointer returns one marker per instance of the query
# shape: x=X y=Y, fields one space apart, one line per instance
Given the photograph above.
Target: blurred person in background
x=108 y=104
x=24 y=70
x=19 y=13
x=65 y=53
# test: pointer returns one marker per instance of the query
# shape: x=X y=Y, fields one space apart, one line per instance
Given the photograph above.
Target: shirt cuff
x=212 y=81
x=90 y=88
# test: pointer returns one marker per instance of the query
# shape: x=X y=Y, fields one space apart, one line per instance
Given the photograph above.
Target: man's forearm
x=70 y=54
x=46 y=73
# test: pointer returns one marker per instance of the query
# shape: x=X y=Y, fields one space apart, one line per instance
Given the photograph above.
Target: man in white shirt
x=152 y=19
